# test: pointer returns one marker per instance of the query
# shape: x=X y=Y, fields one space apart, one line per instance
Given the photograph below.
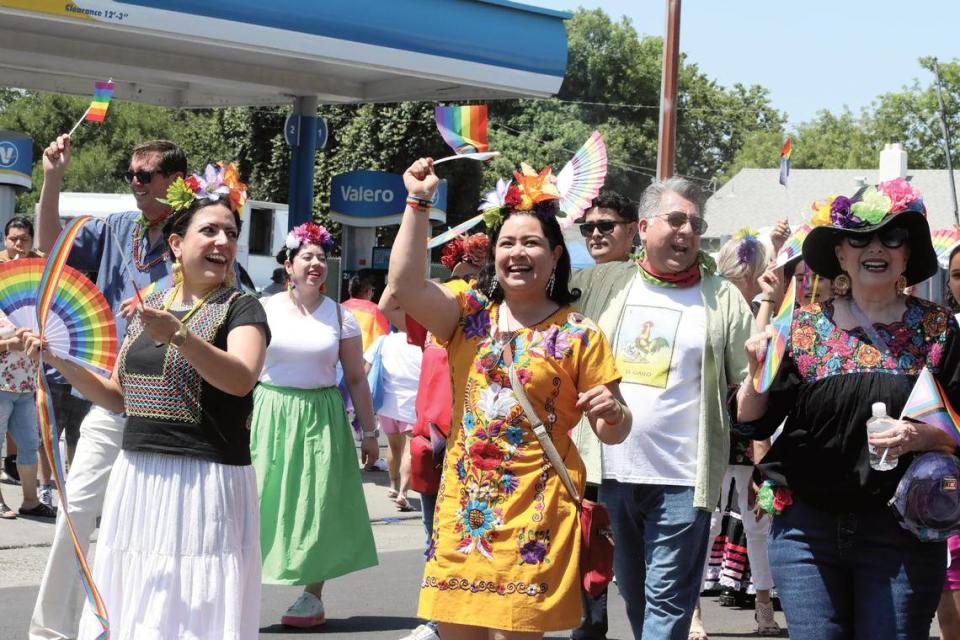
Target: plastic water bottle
x=880 y=422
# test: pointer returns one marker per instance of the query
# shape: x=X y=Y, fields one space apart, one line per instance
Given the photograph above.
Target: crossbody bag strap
x=538 y=429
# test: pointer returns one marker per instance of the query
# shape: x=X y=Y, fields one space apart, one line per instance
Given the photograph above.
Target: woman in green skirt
x=313 y=519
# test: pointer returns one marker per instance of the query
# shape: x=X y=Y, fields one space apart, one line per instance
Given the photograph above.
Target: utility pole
x=667 y=137
x=946 y=142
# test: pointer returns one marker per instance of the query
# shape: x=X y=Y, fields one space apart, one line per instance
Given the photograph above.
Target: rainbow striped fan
x=944 y=242
x=80 y=326
x=580 y=180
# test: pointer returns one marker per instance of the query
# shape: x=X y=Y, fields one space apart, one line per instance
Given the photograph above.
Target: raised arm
x=56 y=157
x=430 y=304
x=390 y=308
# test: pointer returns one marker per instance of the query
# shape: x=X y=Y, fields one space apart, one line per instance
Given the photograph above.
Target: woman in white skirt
x=178 y=553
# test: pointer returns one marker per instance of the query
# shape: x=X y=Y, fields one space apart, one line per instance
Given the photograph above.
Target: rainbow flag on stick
x=928 y=403
x=463 y=127
x=102 y=93
x=785 y=152
x=777 y=346
x=97 y=111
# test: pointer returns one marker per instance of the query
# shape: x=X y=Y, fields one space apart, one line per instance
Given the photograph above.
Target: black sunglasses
x=677 y=219
x=143 y=177
x=890 y=237
x=605 y=227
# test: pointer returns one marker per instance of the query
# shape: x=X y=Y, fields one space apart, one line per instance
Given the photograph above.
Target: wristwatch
x=179 y=337
x=370 y=434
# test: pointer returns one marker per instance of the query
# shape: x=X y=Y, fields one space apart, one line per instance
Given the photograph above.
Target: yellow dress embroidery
x=505 y=551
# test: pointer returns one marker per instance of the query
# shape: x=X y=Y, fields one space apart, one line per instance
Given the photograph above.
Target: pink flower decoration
x=900 y=192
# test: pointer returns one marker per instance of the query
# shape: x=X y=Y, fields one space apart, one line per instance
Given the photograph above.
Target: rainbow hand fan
x=793 y=247
x=79 y=327
x=944 y=242
x=451 y=233
x=580 y=180
x=777 y=346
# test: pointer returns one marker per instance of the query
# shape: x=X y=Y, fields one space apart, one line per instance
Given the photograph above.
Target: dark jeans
x=428 y=503
x=69 y=411
x=594 y=623
x=661 y=545
x=854 y=575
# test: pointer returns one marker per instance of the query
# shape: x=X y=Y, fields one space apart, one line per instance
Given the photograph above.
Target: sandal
x=697 y=632
x=402 y=504
x=6 y=513
x=766 y=625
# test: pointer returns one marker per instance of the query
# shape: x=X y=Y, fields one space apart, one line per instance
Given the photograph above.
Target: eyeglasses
x=605 y=227
x=677 y=219
x=891 y=238
x=143 y=177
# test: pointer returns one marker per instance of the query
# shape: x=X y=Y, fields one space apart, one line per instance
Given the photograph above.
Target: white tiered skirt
x=178 y=553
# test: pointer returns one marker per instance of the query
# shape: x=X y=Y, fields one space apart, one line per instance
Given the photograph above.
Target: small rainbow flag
x=777 y=346
x=97 y=110
x=785 y=152
x=944 y=243
x=927 y=403
x=463 y=127
x=793 y=247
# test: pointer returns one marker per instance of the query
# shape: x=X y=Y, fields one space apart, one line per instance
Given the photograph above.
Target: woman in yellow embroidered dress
x=505 y=554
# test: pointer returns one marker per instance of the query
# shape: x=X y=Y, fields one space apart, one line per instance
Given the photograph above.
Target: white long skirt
x=178 y=554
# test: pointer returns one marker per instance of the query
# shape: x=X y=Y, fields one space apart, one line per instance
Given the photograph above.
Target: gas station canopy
x=204 y=53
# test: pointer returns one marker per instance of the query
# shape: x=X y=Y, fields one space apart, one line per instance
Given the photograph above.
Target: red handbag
x=596 y=532
x=434 y=406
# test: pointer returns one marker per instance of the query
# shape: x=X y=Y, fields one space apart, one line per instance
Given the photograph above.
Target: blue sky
x=810 y=54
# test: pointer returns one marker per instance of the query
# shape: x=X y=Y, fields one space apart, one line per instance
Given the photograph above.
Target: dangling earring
x=901 y=284
x=177 y=273
x=841 y=284
x=494 y=285
x=551 y=282
x=231 y=279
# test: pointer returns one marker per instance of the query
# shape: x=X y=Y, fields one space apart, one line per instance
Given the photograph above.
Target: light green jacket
x=604 y=290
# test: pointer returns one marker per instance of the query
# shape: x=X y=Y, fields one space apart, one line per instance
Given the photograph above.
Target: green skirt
x=313 y=517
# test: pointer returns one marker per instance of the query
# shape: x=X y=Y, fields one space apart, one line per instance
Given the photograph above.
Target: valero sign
x=16 y=159
x=376 y=198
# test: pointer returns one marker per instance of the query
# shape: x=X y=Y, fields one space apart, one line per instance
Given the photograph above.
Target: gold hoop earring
x=177 y=273
x=901 y=284
x=841 y=284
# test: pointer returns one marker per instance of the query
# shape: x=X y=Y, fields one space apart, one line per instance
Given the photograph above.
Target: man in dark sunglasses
x=610 y=227
x=127 y=252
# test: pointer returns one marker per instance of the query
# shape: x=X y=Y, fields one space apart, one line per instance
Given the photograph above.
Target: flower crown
x=748 y=241
x=309 y=233
x=472 y=249
x=530 y=188
x=222 y=181
x=872 y=206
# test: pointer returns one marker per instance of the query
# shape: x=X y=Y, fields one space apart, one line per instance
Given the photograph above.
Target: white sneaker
x=45 y=494
x=306 y=611
x=380 y=464
x=423 y=632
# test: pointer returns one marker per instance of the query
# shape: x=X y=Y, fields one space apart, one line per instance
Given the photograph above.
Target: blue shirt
x=100 y=248
x=104 y=245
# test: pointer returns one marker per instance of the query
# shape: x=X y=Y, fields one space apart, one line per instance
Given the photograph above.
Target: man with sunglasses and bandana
x=610 y=227
x=678 y=331
x=124 y=250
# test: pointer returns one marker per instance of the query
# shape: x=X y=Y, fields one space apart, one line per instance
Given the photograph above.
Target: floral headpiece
x=222 y=181
x=309 y=233
x=530 y=188
x=748 y=241
x=875 y=204
x=472 y=249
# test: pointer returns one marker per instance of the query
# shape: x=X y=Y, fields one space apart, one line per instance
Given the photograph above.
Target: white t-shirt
x=659 y=351
x=400 y=376
x=304 y=350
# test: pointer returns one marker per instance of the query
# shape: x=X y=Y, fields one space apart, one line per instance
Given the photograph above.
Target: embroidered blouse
x=824 y=389
x=170 y=408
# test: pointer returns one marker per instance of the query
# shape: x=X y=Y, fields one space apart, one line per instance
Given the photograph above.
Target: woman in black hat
x=842 y=564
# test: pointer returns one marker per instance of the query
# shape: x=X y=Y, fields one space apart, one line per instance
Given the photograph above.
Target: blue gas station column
x=303 y=151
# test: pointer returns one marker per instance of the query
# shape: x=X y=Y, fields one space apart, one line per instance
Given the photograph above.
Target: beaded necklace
x=136 y=238
x=196 y=305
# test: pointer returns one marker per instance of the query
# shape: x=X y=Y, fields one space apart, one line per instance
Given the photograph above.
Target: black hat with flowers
x=891 y=203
